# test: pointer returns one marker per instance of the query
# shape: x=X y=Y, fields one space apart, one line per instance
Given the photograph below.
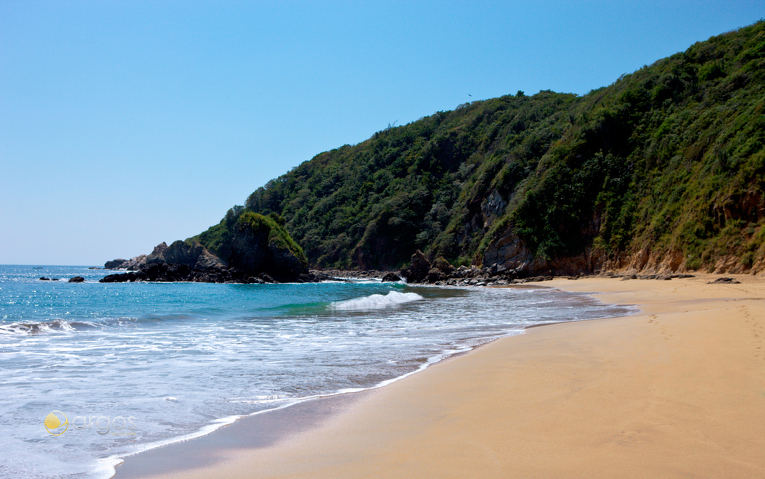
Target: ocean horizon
x=93 y=372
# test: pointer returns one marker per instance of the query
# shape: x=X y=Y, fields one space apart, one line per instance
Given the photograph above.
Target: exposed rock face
x=77 y=279
x=418 y=269
x=114 y=264
x=193 y=255
x=207 y=260
x=423 y=271
x=390 y=278
x=511 y=253
x=134 y=264
x=492 y=207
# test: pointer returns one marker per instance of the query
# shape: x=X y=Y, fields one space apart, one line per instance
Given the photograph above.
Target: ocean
x=92 y=372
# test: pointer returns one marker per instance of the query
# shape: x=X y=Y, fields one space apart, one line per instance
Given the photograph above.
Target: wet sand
x=675 y=391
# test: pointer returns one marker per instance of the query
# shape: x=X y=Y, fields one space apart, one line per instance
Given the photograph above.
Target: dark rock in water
x=114 y=264
x=724 y=281
x=119 y=278
x=54 y=279
x=43 y=278
x=266 y=278
x=94 y=267
x=390 y=278
x=418 y=269
x=164 y=272
x=318 y=276
x=77 y=279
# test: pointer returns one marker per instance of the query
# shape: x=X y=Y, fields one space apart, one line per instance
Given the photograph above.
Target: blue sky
x=127 y=123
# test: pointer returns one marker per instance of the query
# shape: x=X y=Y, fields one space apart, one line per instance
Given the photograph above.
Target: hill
x=663 y=169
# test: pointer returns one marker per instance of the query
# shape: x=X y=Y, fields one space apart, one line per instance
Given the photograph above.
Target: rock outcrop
x=193 y=255
x=164 y=272
x=132 y=264
x=511 y=253
x=418 y=269
x=114 y=264
x=256 y=250
x=421 y=270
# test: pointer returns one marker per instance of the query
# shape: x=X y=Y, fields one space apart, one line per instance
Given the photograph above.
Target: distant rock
x=94 y=267
x=114 y=264
x=190 y=254
x=390 y=278
x=134 y=264
x=77 y=279
x=43 y=278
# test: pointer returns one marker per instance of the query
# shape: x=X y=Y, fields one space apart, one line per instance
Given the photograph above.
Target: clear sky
x=127 y=123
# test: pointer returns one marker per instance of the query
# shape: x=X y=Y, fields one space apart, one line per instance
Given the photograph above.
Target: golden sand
x=675 y=391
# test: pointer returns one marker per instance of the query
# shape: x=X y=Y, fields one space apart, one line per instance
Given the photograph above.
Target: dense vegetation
x=671 y=156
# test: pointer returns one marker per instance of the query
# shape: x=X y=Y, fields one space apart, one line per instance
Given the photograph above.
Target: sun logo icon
x=56 y=423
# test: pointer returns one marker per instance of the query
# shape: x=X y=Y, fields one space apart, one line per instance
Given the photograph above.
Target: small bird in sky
x=469 y=94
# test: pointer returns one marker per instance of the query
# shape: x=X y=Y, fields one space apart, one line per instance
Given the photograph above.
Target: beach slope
x=677 y=390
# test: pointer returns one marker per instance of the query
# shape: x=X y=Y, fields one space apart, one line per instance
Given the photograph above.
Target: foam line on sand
x=677 y=390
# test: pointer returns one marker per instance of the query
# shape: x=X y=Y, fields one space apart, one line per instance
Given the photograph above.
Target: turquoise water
x=129 y=366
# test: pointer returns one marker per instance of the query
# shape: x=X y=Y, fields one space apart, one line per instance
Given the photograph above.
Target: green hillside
x=667 y=162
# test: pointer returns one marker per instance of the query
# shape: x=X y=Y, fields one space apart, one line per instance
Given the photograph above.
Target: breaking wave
x=36 y=327
x=376 y=301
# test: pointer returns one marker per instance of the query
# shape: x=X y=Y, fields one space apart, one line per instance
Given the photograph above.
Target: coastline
x=676 y=390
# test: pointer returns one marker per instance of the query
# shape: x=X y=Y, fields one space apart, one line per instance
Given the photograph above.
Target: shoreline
x=154 y=456
x=347 y=442
x=177 y=445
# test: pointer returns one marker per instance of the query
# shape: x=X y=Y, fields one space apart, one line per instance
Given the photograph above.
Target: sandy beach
x=677 y=390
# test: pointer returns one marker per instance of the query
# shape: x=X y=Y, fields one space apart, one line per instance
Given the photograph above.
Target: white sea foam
x=186 y=359
x=376 y=301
